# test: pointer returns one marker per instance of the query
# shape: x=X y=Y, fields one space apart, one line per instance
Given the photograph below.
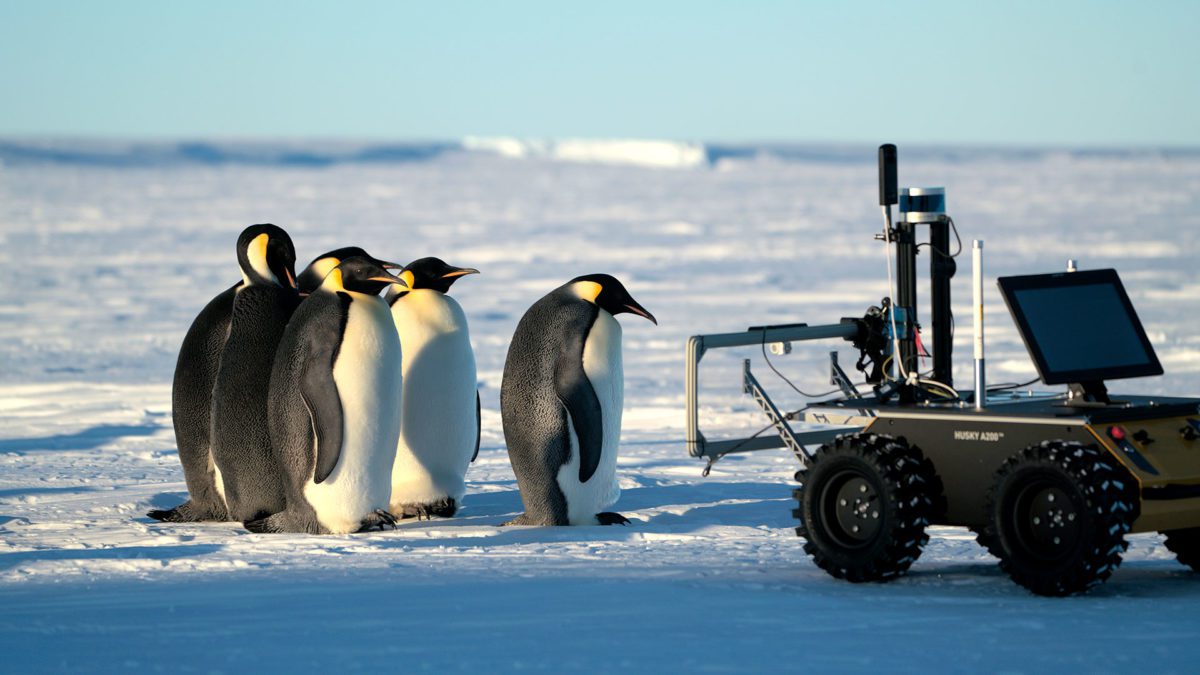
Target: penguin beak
x=389 y=279
x=291 y=280
x=389 y=265
x=635 y=308
x=460 y=271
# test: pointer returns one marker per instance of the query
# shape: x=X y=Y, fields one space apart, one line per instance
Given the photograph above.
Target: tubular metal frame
x=698 y=345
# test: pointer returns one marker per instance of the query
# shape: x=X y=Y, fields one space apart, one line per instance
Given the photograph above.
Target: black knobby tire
x=1058 y=513
x=864 y=502
x=1185 y=544
x=984 y=538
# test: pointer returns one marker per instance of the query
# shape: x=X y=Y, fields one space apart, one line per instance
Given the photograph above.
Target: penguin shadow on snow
x=17 y=493
x=87 y=439
x=161 y=553
x=163 y=500
x=674 y=509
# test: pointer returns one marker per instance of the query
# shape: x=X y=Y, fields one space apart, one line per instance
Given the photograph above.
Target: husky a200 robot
x=1050 y=483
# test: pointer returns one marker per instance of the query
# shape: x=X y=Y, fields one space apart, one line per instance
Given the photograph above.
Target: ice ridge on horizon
x=648 y=153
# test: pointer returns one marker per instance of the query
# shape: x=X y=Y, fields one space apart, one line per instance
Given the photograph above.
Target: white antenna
x=977 y=283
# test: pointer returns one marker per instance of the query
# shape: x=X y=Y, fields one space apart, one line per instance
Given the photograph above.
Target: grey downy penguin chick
x=192 y=390
x=439 y=421
x=335 y=406
x=241 y=444
x=561 y=401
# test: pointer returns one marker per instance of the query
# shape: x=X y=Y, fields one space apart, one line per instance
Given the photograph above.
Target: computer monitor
x=1079 y=327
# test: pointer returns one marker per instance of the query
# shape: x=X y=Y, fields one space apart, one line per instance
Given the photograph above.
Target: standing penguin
x=439 y=422
x=335 y=406
x=561 y=401
x=241 y=444
x=322 y=265
x=192 y=388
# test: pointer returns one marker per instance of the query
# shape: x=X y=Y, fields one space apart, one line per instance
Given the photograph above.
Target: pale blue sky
x=1044 y=72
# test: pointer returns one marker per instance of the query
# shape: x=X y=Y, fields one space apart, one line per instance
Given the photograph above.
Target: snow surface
x=106 y=263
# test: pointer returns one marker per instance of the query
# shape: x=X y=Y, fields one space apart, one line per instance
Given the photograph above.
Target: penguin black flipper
x=478 y=425
x=575 y=392
x=320 y=394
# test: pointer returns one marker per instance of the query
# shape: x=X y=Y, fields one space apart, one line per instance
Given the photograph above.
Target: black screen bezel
x=1010 y=285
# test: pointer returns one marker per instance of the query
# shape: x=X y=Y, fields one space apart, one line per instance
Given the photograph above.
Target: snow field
x=104 y=269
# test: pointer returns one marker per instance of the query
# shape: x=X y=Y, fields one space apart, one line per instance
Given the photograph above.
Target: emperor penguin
x=322 y=265
x=241 y=444
x=439 y=420
x=335 y=406
x=561 y=400
x=195 y=376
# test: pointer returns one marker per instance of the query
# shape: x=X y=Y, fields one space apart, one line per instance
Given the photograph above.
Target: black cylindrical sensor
x=888 y=185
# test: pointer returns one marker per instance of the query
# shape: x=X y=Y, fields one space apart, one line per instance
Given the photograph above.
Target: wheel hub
x=854 y=505
x=1047 y=521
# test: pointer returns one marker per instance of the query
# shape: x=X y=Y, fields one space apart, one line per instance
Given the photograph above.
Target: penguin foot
x=285 y=521
x=168 y=516
x=418 y=511
x=378 y=520
x=445 y=507
x=263 y=525
x=526 y=519
x=610 y=518
x=186 y=512
x=522 y=519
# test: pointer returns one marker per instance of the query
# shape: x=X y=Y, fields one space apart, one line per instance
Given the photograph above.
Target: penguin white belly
x=367 y=373
x=604 y=369
x=437 y=424
x=218 y=480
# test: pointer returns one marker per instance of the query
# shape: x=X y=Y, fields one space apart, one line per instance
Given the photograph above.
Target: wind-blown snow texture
x=105 y=263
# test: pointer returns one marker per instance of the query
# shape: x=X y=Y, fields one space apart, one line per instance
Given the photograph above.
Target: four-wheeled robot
x=1050 y=483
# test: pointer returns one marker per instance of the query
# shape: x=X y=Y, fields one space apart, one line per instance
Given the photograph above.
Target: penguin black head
x=322 y=265
x=266 y=256
x=361 y=275
x=430 y=273
x=607 y=293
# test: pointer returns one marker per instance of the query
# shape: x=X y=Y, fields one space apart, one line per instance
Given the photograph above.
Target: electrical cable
x=954 y=229
x=958 y=239
x=1004 y=387
x=934 y=383
x=909 y=378
x=749 y=438
x=784 y=378
x=887 y=240
x=760 y=432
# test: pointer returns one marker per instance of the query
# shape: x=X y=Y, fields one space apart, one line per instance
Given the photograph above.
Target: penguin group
x=312 y=404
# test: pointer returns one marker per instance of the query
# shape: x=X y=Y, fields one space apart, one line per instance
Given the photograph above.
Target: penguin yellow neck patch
x=325 y=265
x=257 y=253
x=588 y=290
x=333 y=281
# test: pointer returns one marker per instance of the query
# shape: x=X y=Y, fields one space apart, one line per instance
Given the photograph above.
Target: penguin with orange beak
x=439 y=422
x=561 y=400
x=334 y=409
x=262 y=306
x=266 y=257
